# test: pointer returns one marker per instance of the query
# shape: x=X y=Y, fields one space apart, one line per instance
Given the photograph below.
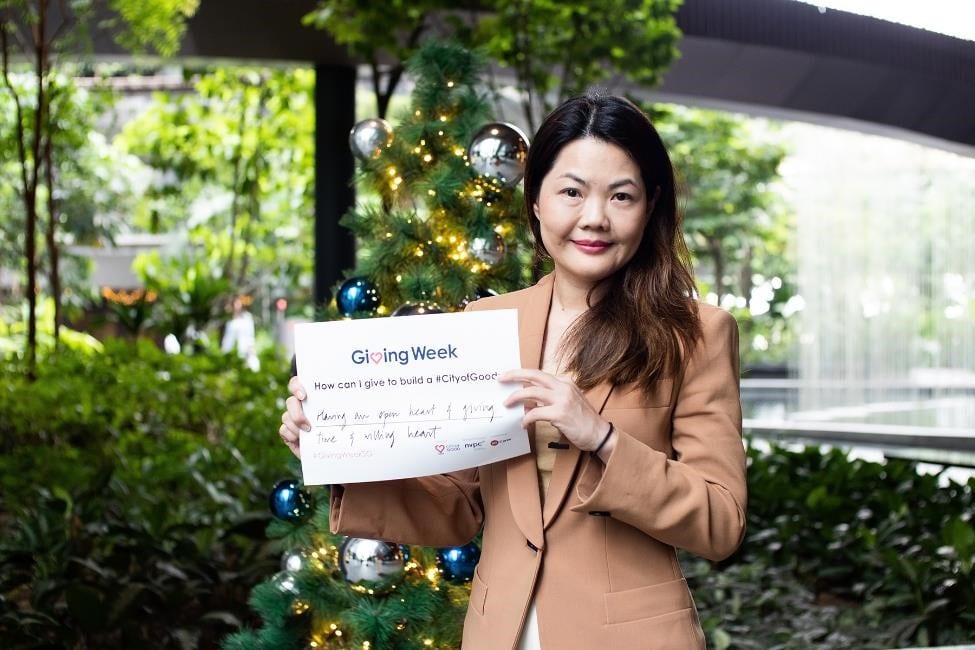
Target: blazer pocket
x=479 y=591
x=647 y=602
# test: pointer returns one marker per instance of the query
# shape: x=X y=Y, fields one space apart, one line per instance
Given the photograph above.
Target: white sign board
x=409 y=396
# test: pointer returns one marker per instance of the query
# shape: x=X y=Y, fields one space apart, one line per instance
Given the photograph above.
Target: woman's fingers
x=532 y=393
x=541 y=413
x=293 y=420
x=296 y=389
x=290 y=439
x=296 y=415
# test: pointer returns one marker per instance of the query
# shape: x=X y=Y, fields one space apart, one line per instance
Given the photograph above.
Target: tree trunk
x=228 y=267
x=29 y=166
x=745 y=275
x=40 y=118
x=54 y=273
x=717 y=257
x=255 y=199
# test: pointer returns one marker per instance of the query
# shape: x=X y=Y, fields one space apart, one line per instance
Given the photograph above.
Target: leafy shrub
x=134 y=488
x=841 y=552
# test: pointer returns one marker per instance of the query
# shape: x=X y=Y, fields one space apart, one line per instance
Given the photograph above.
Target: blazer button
x=598 y=513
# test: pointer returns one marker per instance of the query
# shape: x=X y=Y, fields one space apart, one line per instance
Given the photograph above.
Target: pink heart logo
x=439 y=448
x=376 y=357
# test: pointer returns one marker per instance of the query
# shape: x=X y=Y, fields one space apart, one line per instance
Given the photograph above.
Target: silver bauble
x=285 y=582
x=489 y=250
x=369 y=137
x=292 y=561
x=499 y=151
x=417 y=309
x=370 y=560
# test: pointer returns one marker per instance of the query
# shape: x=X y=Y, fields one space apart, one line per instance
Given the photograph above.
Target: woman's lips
x=591 y=246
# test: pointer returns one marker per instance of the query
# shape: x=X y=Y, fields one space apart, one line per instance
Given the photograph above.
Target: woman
x=631 y=394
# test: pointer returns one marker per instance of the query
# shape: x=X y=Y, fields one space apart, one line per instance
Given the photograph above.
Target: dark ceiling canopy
x=790 y=59
x=774 y=57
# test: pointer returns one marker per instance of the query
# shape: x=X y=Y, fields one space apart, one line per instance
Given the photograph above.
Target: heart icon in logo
x=439 y=448
x=376 y=357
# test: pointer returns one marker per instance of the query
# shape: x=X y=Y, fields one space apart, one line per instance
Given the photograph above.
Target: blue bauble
x=457 y=562
x=289 y=502
x=357 y=296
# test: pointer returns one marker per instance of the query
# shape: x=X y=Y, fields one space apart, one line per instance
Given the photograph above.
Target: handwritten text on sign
x=407 y=396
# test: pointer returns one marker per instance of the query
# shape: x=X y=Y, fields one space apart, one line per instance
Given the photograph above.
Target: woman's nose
x=593 y=214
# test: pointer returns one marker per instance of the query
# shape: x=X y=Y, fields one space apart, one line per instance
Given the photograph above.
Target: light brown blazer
x=600 y=558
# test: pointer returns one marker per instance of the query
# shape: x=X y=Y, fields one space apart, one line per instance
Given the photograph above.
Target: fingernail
x=301 y=394
x=306 y=427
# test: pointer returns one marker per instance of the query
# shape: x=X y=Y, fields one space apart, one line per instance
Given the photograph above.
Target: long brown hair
x=647 y=313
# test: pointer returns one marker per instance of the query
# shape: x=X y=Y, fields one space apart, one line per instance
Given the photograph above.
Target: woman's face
x=592 y=208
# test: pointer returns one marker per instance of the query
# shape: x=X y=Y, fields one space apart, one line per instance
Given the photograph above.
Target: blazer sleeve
x=441 y=510
x=696 y=499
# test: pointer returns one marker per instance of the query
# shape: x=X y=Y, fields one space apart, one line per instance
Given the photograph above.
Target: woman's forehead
x=594 y=161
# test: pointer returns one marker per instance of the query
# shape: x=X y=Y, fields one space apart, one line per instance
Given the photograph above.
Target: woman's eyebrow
x=575 y=178
x=614 y=185
x=620 y=183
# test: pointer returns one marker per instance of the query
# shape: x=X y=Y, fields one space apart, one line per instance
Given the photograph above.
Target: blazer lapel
x=522 y=471
x=567 y=460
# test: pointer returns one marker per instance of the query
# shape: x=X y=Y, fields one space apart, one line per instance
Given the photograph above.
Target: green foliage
x=844 y=553
x=189 y=290
x=419 y=607
x=133 y=490
x=735 y=221
x=95 y=183
x=558 y=49
x=758 y=605
x=429 y=205
x=13 y=325
x=555 y=49
x=235 y=160
x=375 y=28
x=139 y=26
x=44 y=33
x=156 y=26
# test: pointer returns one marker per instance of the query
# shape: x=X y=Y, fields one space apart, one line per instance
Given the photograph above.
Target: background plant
x=31 y=30
x=132 y=511
x=635 y=41
x=234 y=168
x=842 y=552
x=736 y=223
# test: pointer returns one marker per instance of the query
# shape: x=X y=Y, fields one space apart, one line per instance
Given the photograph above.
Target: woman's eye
x=622 y=196
x=571 y=192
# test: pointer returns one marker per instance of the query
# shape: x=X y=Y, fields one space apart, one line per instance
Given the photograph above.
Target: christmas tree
x=440 y=223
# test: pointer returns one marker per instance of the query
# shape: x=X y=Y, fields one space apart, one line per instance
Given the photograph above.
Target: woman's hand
x=293 y=419
x=560 y=402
